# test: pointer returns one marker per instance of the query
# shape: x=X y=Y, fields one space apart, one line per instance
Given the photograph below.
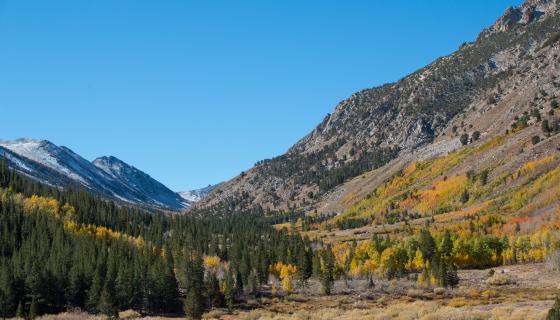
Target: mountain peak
x=528 y=12
x=111 y=164
x=25 y=142
x=60 y=166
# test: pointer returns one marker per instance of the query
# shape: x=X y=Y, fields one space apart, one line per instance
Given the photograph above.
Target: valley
x=434 y=197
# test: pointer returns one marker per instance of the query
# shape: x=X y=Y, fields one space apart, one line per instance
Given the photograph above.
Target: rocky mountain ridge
x=108 y=176
x=374 y=126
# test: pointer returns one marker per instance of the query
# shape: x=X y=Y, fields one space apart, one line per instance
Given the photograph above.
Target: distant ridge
x=59 y=166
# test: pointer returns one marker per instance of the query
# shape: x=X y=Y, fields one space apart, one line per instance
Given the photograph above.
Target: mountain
x=484 y=86
x=140 y=184
x=61 y=167
x=197 y=194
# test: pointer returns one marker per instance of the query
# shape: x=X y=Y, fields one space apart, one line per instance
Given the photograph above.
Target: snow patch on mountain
x=40 y=151
x=197 y=194
x=59 y=166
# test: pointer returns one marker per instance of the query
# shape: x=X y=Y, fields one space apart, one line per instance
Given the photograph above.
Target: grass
x=422 y=310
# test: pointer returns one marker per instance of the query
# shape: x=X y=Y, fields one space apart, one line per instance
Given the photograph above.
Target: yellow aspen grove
x=211 y=263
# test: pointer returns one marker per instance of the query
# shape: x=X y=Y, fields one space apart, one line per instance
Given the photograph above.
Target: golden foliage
x=443 y=192
x=212 y=263
x=533 y=165
x=284 y=272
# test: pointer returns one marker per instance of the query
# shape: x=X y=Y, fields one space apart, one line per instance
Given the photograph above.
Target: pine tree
x=251 y=287
x=94 y=291
x=34 y=283
x=229 y=291
x=327 y=270
x=262 y=267
x=215 y=297
x=124 y=289
x=452 y=277
x=170 y=289
x=447 y=244
x=76 y=290
x=7 y=296
x=194 y=299
x=427 y=244
x=464 y=139
x=238 y=282
x=106 y=304
x=305 y=265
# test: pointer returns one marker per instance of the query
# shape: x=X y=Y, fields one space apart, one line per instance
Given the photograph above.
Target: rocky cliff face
x=528 y=12
x=376 y=125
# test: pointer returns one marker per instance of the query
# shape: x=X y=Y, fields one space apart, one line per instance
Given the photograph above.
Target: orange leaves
x=443 y=192
x=402 y=188
x=410 y=169
x=341 y=253
x=547 y=185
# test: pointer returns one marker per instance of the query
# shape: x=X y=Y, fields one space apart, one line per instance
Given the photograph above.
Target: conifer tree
x=170 y=289
x=427 y=244
x=327 y=270
x=305 y=265
x=194 y=300
x=34 y=284
x=238 y=282
x=76 y=290
x=94 y=292
x=251 y=287
x=447 y=244
x=229 y=290
x=262 y=267
x=124 y=289
x=106 y=301
x=7 y=296
x=215 y=297
x=452 y=277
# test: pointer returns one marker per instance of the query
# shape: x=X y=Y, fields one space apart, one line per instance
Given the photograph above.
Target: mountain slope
x=108 y=176
x=374 y=126
x=197 y=194
x=140 y=184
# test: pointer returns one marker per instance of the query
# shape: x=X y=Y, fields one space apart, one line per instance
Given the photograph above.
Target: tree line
x=66 y=249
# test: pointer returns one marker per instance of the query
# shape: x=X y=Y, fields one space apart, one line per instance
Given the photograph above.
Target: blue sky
x=195 y=92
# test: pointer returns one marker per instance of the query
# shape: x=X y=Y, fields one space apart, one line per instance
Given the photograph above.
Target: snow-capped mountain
x=109 y=176
x=139 y=182
x=197 y=194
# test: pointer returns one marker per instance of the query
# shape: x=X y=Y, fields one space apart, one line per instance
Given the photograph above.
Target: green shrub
x=554 y=313
x=499 y=280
